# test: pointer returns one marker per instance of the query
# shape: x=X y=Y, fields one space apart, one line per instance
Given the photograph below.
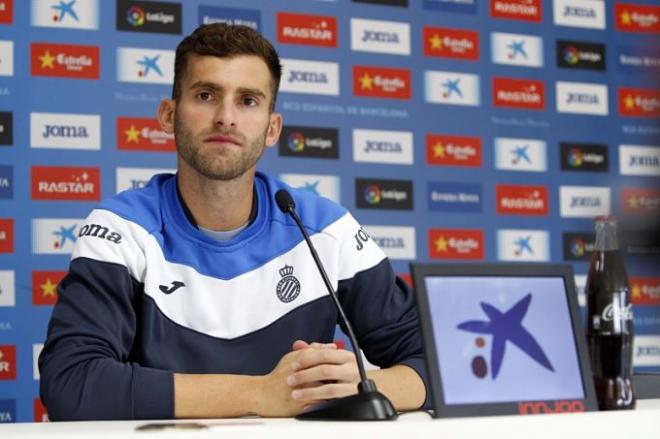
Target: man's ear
x=166 y=115
x=274 y=129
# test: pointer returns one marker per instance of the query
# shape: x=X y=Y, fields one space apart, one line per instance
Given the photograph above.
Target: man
x=197 y=297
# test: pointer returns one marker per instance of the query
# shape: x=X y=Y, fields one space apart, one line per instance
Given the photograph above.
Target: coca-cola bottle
x=609 y=320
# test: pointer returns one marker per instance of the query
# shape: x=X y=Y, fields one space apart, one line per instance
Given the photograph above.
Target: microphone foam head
x=284 y=200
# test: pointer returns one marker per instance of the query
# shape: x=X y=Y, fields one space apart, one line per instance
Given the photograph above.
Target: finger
x=300 y=345
x=313 y=357
x=311 y=395
x=346 y=372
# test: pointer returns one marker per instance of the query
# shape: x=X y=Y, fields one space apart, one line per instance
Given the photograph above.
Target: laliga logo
x=504 y=327
x=577 y=247
x=135 y=16
x=372 y=194
x=296 y=142
x=571 y=55
x=575 y=157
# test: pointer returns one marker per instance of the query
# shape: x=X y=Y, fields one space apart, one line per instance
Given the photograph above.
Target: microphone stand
x=368 y=404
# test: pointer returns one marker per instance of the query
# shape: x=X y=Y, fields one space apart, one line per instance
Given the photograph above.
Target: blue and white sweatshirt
x=149 y=295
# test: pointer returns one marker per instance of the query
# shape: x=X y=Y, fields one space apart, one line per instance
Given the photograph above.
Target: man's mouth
x=222 y=138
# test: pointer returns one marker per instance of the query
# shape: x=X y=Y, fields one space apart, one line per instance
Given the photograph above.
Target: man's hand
x=322 y=372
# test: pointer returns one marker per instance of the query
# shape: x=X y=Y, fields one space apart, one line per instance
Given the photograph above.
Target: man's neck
x=217 y=204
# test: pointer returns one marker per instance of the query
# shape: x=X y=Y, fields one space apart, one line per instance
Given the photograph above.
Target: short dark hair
x=226 y=40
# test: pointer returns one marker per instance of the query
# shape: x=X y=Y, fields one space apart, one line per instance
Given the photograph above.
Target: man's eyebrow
x=217 y=87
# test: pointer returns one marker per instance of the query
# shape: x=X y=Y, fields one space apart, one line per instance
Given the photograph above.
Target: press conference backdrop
x=454 y=130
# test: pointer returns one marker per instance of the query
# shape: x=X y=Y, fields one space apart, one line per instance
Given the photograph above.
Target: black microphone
x=368 y=404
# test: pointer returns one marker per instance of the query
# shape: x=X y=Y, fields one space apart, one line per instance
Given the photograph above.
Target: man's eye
x=204 y=96
x=250 y=102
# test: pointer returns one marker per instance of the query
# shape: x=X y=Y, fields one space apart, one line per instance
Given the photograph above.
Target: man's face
x=222 y=119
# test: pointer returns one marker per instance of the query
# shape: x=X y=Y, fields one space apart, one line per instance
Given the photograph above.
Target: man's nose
x=225 y=113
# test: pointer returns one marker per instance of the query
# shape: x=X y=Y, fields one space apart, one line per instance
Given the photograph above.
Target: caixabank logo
x=589 y=157
x=54 y=236
x=637 y=18
x=638 y=102
x=65 y=183
x=640 y=201
x=464 y=244
x=527 y=155
x=44 y=287
x=589 y=14
x=310 y=77
x=143 y=134
x=233 y=16
x=645 y=290
x=525 y=10
x=145 y=66
x=580 y=55
x=321 y=185
x=6 y=11
x=521 y=200
x=390 y=37
x=154 y=17
x=311 y=142
x=445 y=150
x=65 y=131
x=578 y=246
x=7 y=288
x=6 y=182
x=523 y=245
x=383 y=194
x=516 y=49
x=523 y=94
x=451 y=43
x=64 y=60
x=451 y=88
x=381 y=82
x=72 y=14
x=309 y=30
x=6 y=128
x=6 y=235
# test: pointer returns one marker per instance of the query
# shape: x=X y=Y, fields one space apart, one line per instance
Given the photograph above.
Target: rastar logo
x=145 y=65
x=380 y=82
x=453 y=150
x=640 y=201
x=65 y=183
x=72 y=14
x=312 y=30
x=456 y=244
x=523 y=245
x=526 y=10
x=451 y=43
x=521 y=200
x=44 y=286
x=645 y=290
x=6 y=11
x=518 y=93
x=637 y=102
x=504 y=327
x=6 y=235
x=64 y=61
x=143 y=134
x=637 y=18
x=391 y=37
x=7 y=362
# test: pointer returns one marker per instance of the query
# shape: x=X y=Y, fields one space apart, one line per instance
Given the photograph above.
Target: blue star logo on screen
x=150 y=64
x=517 y=48
x=522 y=245
x=65 y=9
x=520 y=154
x=451 y=87
x=312 y=186
x=65 y=234
x=504 y=327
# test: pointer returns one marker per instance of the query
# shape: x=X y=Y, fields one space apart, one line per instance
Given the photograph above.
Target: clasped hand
x=307 y=375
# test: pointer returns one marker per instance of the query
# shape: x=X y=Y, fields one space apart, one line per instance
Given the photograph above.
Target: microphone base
x=364 y=406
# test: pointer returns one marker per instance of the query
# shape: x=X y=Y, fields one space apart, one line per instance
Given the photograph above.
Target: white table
x=641 y=423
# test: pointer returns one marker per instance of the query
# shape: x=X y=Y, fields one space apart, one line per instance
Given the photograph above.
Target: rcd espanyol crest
x=288 y=288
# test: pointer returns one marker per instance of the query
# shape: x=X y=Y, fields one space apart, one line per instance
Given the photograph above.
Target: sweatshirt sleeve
x=84 y=365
